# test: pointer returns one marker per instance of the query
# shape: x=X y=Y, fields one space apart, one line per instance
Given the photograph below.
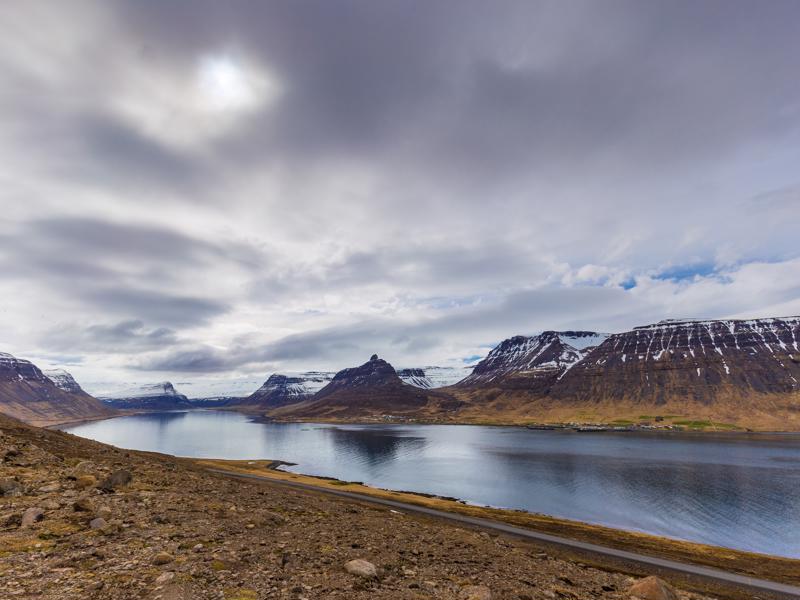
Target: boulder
x=85 y=467
x=10 y=487
x=116 y=480
x=162 y=558
x=653 y=588
x=98 y=523
x=83 y=504
x=362 y=568
x=33 y=515
x=85 y=481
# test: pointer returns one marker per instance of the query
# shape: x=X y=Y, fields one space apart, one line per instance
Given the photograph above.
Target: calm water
x=740 y=492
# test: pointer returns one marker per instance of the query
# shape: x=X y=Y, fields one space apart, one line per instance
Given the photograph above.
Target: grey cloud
x=130 y=336
x=155 y=306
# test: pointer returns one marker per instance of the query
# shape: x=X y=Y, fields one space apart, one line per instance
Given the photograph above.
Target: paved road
x=741 y=583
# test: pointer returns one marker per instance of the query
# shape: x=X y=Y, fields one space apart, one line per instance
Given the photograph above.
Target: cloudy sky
x=197 y=190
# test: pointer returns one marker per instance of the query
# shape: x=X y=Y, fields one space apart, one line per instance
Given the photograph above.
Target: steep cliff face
x=532 y=363
x=26 y=393
x=63 y=380
x=151 y=396
x=282 y=390
x=696 y=360
x=371 y=390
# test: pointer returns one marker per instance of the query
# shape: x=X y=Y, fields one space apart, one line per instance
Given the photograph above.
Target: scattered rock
x=103 y=512
x=85 y=467
x=98 y=523
x=85 y=481
x=10 y=487
x=165 y=577
x=83 y=504
x=33 y=515
x=652 y=588
x=51 y=504
x=362 y=568
x=50 y=488
x=162 y=558
x=117 y=479
x=476 y=592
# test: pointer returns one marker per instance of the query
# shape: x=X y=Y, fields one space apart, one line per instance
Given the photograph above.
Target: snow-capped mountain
x=283 y=389
x=433 y=377
x=534 y=361
x=63 y=380
x=26 y=393
x=692 y=359
x=371 y=390
x=150 y=396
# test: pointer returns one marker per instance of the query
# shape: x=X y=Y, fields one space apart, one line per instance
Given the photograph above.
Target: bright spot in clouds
x=225 y=85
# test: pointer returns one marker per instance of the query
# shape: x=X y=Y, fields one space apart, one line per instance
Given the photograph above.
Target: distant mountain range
x=738 y=372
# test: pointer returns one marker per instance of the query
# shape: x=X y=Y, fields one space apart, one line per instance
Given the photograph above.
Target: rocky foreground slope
x=27 y=393
x=82 y=520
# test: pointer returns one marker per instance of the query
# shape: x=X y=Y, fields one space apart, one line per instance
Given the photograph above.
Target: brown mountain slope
x=735 y=371
x=28 y=395
x=372 y=390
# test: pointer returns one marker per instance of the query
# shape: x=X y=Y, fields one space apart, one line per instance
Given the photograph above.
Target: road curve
x=752 y=585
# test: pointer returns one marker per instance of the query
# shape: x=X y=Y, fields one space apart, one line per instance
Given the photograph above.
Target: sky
x=206 y=190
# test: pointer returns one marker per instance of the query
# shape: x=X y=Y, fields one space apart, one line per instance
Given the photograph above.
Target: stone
x=83 y=504
x=33 y=515
x=10 y=487
x=103 y=512
x=50 y=488
x=162 y=558
x=117 y=479
x=98 y=523
x=653 y=588
x=85 y=467
x=476 y=592
x=85 y=481
x=165 y=577
x=51 y=504
x=362 y=568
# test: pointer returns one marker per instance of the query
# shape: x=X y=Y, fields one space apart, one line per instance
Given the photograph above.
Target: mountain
x=151 y=396
x=701 y=361
x=29 y=395
x=372 y=390
x=432 y=377
x=63 y=380
x=533 y=363
x=281 y=390
x=741 y=372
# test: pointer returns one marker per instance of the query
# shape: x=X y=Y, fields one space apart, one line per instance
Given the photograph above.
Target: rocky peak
x=63 y=380
x=375 y=372
x=549 y=352
x=18 y=369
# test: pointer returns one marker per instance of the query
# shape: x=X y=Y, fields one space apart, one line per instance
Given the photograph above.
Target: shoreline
x=772 y=567
x=576 y=427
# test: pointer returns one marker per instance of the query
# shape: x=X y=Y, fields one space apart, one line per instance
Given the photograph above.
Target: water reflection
x=732 y=491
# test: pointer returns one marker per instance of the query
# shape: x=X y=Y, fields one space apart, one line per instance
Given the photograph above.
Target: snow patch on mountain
x=433 y=377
